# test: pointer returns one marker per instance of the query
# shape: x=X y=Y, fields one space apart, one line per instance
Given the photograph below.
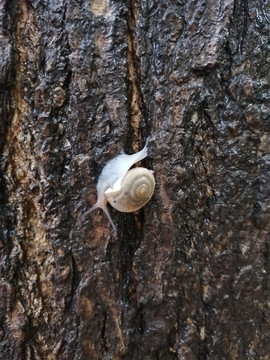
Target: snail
x=126 y=190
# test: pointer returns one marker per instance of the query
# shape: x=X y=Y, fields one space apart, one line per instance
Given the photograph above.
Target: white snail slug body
x=125 y=190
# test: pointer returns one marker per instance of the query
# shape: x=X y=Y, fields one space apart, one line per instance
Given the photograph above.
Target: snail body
x=125 y=190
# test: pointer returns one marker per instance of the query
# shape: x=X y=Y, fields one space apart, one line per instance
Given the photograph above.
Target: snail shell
x=132 y=191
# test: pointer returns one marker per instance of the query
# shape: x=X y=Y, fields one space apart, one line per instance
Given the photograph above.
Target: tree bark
x=185 y=277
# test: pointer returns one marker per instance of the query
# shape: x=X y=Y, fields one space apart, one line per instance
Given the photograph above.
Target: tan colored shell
x=133 y=191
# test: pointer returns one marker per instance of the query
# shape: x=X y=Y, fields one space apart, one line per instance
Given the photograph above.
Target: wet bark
x=185 y=277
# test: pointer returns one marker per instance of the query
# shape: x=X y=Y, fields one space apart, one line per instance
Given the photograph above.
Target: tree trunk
x=185 y=277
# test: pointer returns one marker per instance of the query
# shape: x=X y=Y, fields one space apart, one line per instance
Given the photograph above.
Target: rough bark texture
x=186 y=277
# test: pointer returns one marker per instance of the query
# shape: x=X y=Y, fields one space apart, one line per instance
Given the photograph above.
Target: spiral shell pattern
x=137 y=188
